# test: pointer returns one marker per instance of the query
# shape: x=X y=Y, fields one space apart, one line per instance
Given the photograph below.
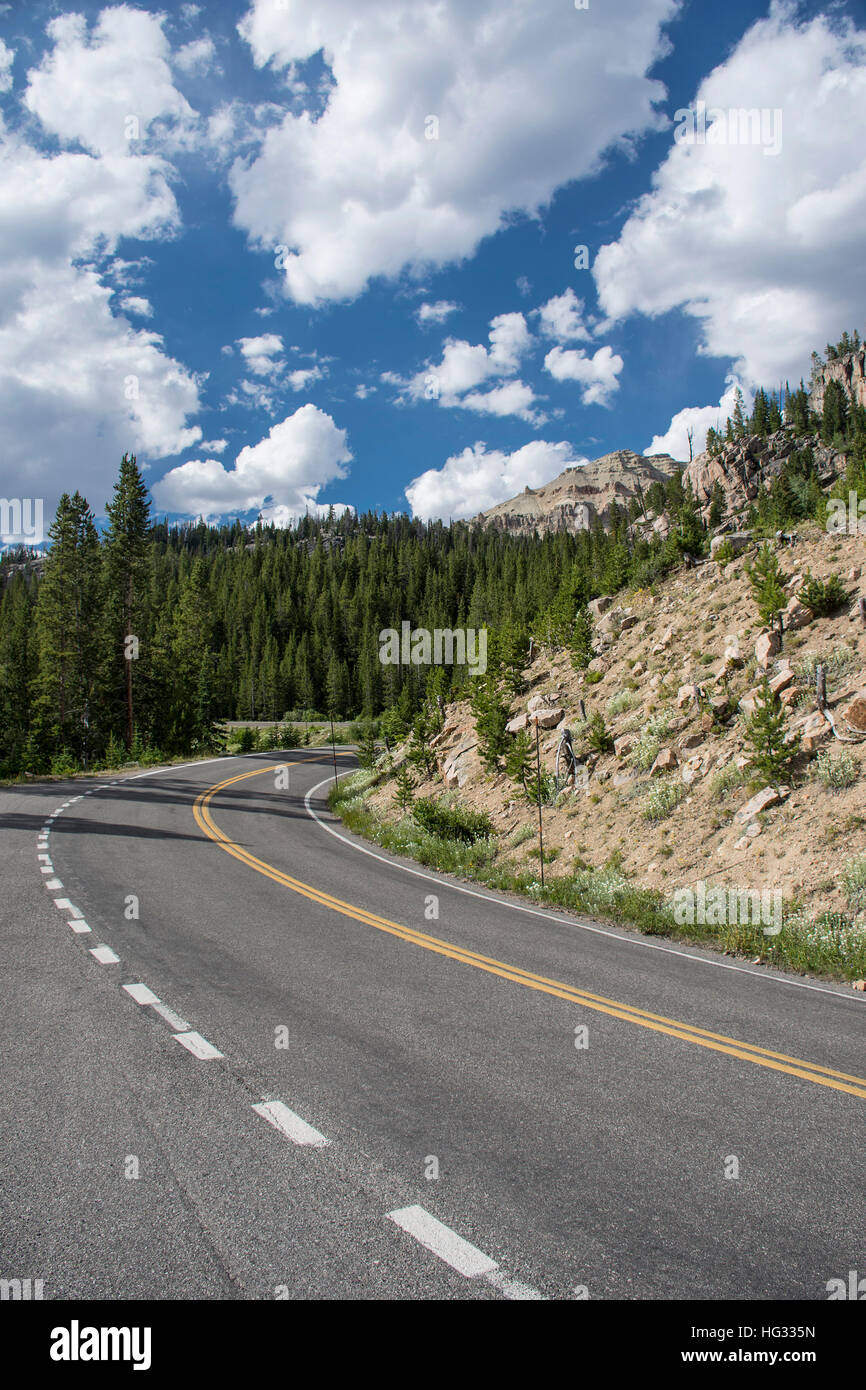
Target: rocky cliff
x=849 y=370
x=580 y=495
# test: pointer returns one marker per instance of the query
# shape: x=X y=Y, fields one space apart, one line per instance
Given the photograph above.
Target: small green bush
x=662 y=800
x=246 y=739
x=836 y=773
x=823 y=596
x=854 y=882
x=451 y=822
x=593 y=677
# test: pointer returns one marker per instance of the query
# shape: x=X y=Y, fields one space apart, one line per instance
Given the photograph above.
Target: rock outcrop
x=581 y=495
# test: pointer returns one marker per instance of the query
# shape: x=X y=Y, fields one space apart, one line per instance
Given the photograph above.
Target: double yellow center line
x=687 y=1032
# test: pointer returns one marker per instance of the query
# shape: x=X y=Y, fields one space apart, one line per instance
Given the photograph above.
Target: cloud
x=196 y=57
x=79 y=386
x=107 y=91
x=261 y=354
x=476 y=479
x=698 y=418
x=362 y=391
x=283 y=472
x=597 y=374
x=213 y=446
x=562 y=318
x=137 y=304
x=7 y=57
x=360 y=189
x=513 y=398
x=466 y=366
x=301 y=378
x=764 y=252
x=435 y=313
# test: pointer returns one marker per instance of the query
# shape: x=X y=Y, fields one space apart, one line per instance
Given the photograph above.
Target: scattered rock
x=597 y=606
x=758 y=803
x=781 y=680
x=854 y=713
x=797 y=615
x=685 y=695
x=515 y=725
x=547 y=718
x=691 y=740
x=623 y=745
x=638 y=668
x=768 y=646
x=666 y=761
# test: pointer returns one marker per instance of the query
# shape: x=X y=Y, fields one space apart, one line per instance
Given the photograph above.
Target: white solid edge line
x=441 y=1241
x=197 y=1045
x=556 y=917
x=141 y=994
x=290 y=1124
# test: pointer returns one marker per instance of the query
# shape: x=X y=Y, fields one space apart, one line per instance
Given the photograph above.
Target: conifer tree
x=126 y=569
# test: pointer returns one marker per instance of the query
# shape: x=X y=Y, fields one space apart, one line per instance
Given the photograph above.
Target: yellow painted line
x=687 y=1032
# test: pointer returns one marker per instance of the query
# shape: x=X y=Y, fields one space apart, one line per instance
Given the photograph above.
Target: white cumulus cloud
x=435 y=313
x=698 y=419
x=561 y=318
x=262 y=354
x=478 y=478
x=443 y=118
x=764 y=251
x=598 y=375
x=282 y=475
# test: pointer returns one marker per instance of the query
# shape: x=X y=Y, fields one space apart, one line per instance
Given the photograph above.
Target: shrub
x=768 y=584
x=619 y=703
x=64 y=765
x=836 y=773
x=597 y=735
x=725 y=554
x=726 y=779
x=659 y=802
x=854 y=882
x=246 y=739
x=593 y=677
x=451 y=822
x=823 y=596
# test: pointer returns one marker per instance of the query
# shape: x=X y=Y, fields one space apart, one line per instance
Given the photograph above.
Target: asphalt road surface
x=246 y=1057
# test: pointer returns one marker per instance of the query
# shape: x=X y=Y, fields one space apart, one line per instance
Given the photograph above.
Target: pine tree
x=771 y=754
x=405 y=785
x=767 y=581
x=127 y=558
x=67 y=635
x=491 y=716
x=582 y=650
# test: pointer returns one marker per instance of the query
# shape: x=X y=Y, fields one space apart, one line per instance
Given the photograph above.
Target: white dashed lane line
x=141 y=994
x=197 y=1045
x=53 y=885
x=173 y=1020
x=453 y=1250
x=104 y=955
x=79 y=925
x=290 y=1124
x=66 y=906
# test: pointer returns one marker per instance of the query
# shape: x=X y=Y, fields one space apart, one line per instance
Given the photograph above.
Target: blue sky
x=302 y=252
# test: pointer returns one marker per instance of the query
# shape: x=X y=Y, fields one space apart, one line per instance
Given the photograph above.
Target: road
x=304 y=1070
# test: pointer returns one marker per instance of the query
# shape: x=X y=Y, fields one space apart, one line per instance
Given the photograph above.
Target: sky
x=410 y=255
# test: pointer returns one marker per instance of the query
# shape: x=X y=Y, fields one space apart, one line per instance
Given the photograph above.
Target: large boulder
x=796 y=615
x=515 y=725
x=547 y=718
x=738 y=541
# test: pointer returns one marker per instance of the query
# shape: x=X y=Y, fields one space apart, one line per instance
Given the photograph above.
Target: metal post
x=862 y=606
x=538 y=792
x=333 y=748
x=820 y=686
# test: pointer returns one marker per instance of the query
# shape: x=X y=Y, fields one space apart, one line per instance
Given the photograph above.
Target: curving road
x=246 y=1057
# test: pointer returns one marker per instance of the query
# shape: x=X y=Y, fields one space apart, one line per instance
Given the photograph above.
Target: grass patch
x=832 y=944
x=836 y=773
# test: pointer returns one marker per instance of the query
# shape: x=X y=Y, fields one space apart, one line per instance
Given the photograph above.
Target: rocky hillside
x=744 y=466
x=674 y=673
x=573 y=501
